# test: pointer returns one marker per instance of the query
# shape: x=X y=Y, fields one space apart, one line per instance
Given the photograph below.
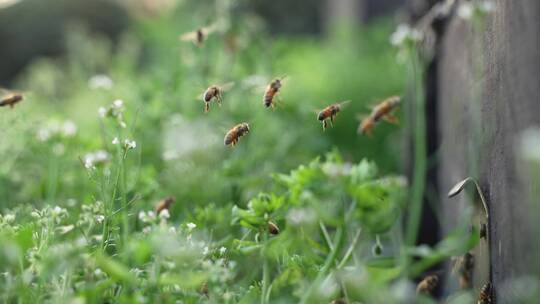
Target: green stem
x=419 y=175
x=266 y=272
x=125 y=209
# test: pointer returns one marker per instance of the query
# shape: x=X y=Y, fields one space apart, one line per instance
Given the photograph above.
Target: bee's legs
x=219 y=99
x=206 y=107
x=332 y=121
x=391 y=119
x=324 y=124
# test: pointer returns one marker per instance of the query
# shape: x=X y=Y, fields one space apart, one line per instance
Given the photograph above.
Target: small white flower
x=88 y=164
x=9 y=217
x=100 y=218
x=465 y=10
x=69 y=128
x=142 y=215
x=102 y=112
x=147 y=229
x=147 y=217
x=100 y=273
x=118 y=104
x=470 y=10
x=92 y=159
x=205 y=250
x=65 y=229
x=35 y=214
x=58 y=211
x=100 y=81
x=130 y=144
x=222 y=250
x=191 y=226
x=164 y=214
x=43 y=134
x=404 y=35
x=115 y=141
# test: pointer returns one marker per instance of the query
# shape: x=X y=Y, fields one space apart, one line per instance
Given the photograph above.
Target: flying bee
x=273 y=228
x=383 y=110
x=464 y=267
x=199 y=35
x=428 y=285
x=366 y=125
x=330 y=112
x=271 y=92
x=232 y=136
x=215 y=92
x=485 y=295
x=11 y=99
x=164 y=204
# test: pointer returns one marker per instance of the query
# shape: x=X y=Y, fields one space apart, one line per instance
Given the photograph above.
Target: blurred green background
x=135 y=44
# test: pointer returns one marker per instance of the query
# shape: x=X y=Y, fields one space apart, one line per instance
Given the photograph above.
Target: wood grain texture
x=509 y=104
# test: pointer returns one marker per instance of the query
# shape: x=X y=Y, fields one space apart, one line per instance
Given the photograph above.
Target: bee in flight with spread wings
x=11 y=99
x=272 y=91
x=383 y=110
x=199 y=35
x=164 y=204
x=330 y=112
x=232 y=136
x=215 y=92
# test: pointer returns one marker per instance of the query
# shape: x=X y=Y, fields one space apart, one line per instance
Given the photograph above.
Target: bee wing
x=316 y=111
x=191 y=36
x=342 y=104
x=207 y=30
x=216 y=26
x=227 y=86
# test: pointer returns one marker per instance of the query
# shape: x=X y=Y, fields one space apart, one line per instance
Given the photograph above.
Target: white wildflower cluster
x=8 y=218
x=55 y=129
x=7 y=222
x=115 y=111
x=58 y=213
x=191 y=226
x=220 y=270
x=91 y=214
x=100 y=81
x=128 y=143
x=164 y=215
x=336 y=170
x=470 y=10
x=405 y=36
x=91 y=160
x=147 y=216
x=55 y=214
x=65 y=229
